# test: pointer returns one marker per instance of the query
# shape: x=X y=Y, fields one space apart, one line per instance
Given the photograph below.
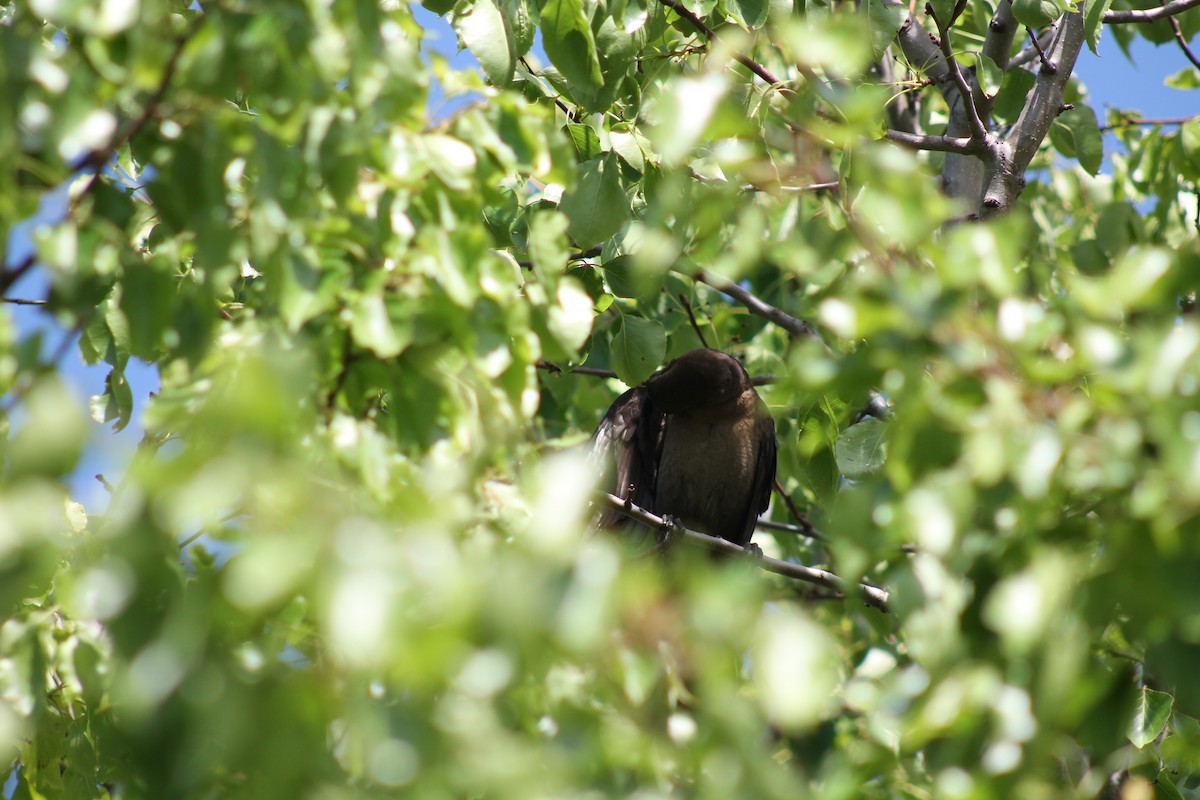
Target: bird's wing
x=626 y=447
x=764 y=474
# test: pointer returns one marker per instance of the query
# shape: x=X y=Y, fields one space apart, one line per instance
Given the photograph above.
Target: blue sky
x=1110 y=78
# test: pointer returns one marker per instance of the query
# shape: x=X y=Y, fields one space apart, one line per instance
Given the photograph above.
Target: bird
x=694 y=443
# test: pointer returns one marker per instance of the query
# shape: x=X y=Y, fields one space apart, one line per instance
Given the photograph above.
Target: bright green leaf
x=1093 y=22
x=638 y=348
x=567 y=37
x=480 y=27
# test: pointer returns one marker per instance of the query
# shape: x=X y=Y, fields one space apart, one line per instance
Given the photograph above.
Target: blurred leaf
x=1189 y=139
x=861 y=449
x=1187 y=79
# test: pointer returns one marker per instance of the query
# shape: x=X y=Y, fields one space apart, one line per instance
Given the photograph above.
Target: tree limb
x=1004 y=176
x=794 y=326
x=872 y=595
x=95 y=159
x=1182 y=42
x=963 y=145
x=1126 y=16
x=709 y=33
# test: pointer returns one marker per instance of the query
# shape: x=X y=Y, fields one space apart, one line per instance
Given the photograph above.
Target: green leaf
x=1189 y=140
x=1077 y=134
x=571 y=317
x=861 y=449
x=596 y=204
x=1013 y=91
x=942 y=10
x=749 y=14
x=518 y=19
x=1165 y=788
x=567 y=37
x=989 y=74
x=883 y=20
x=1093 y=22
x=1150 y=717
x=585 y=139
x=1039 y=13
x=371 y=327
x=480 y=27
x=638 y=348
x=1187 y=79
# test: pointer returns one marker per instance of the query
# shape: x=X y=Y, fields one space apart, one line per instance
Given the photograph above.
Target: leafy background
x=347 y=557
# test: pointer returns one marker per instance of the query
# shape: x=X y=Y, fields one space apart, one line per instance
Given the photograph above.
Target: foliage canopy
x=349 y=557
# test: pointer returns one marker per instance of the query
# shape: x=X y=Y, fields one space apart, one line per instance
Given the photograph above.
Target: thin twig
x=687 y=306
x=1047 y=64
x=873 y=595
x=557 y=370
x=805 y=527
x=1126 y=16
x=745 y=61
x=1182 y=42
x=978 y=129
x=1130 y=122
x=21 y=301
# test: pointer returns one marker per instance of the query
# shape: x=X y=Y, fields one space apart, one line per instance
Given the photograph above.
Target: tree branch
x=1002 y=30
x=978 y=129
x=698 y=24
x=1126 y=16
x=963 y=145
x=1130 y=122
x=596 y=372
x=872 y=595
x=794 y=326
x=1182 y=42
x=95 y=159
x=1005 y=170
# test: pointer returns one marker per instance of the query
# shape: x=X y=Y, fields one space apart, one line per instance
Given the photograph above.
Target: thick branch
x=1005 y=176
x=794 y=326
x=872 y=595
x=1002 y=29
x=964 y=145
x=1150 y=14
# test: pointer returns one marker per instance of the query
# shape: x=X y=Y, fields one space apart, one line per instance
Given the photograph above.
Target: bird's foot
x=670 y=531
x=664 y=536
x=754 y=553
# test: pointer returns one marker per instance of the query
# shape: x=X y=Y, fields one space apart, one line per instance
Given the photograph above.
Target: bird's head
x=697 y=379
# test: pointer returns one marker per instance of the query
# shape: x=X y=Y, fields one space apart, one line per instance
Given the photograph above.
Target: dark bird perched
x=696 y=443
